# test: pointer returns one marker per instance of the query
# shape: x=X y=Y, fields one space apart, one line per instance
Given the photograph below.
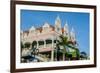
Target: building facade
x=47 y=35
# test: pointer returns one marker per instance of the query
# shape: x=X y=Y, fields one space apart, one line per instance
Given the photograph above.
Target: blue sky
x=79 y=21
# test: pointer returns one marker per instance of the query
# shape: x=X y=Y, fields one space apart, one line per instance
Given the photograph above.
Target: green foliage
x=68 y=44
x=77 y=53
x=83 y=55
x=64 y=43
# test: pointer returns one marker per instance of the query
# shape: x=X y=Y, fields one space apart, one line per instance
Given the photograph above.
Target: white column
x=52 y=42
x=52 y=51
x=37 y=45
x=44 y=44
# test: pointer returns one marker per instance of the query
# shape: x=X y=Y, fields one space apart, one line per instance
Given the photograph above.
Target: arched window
x=41 y=42
x=34 y=43
x=48 y=41
x=55 y=41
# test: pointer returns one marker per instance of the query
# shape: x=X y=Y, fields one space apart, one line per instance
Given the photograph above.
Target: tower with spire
x=66 y=30
x=58 y=25
x=72 y=35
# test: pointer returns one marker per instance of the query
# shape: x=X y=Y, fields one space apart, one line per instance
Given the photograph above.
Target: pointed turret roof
x=46 y=25
x=72 y=33
x=66 y=28
x=32 y=28
x=58 y=22
x=58 y=18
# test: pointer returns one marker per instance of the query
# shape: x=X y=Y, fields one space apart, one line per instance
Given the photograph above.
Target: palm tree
x=58 y=52
x=77 y=53
x=64 y=42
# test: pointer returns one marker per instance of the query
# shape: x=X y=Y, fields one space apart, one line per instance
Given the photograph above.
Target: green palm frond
x=65 y=42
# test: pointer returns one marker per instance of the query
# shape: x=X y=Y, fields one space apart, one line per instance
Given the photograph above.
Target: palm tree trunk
x=63 y=56
x=64 y=51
